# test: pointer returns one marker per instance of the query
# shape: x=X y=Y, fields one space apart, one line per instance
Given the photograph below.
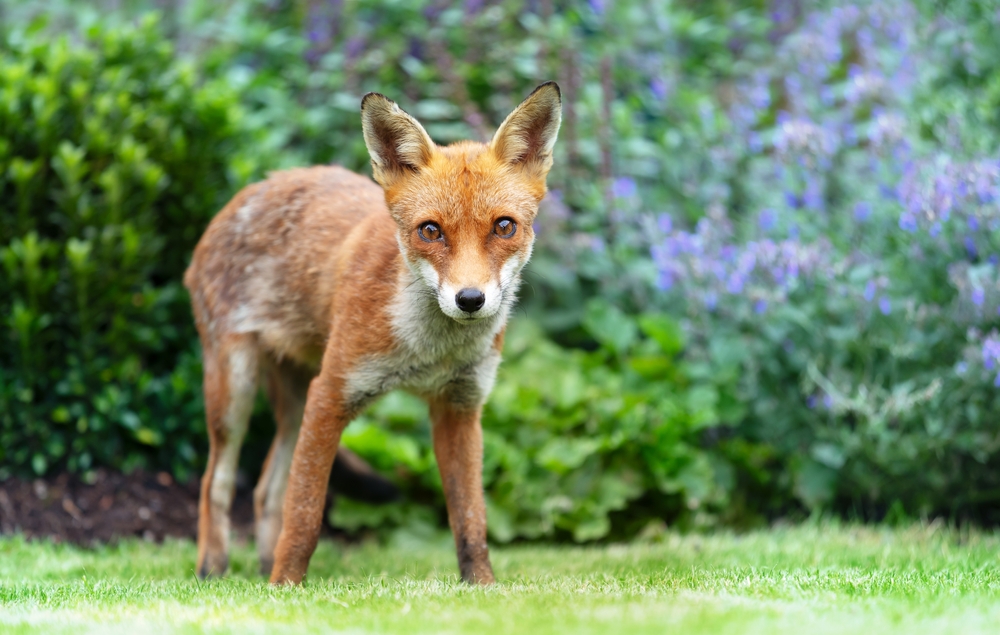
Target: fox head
x=464 y=212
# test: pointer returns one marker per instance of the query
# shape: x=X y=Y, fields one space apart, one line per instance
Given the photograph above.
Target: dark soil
x=115 y=505
x=151 y=506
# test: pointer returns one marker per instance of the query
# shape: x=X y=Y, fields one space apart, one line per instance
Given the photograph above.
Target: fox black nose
x=470 y=300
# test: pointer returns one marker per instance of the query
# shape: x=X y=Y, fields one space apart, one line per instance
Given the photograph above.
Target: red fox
x=339 y=290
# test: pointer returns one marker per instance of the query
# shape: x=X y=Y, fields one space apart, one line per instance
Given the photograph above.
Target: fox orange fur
x=339 y=290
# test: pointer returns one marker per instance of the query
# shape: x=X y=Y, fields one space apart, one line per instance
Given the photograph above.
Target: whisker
x=415 y=281
x=530 y=286
x=535 y=273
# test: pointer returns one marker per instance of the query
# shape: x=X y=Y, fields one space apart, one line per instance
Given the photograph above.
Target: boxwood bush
x=113 y=157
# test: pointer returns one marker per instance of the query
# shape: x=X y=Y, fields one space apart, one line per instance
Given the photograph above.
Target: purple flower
x=665 y=280
x=555 y=207
x=884 y=305
x=793 y=85
x=907 y=222
x=935 y=229
x=597 y=6
x=862 y=211
x=623 y=187
x=760 y=307
x=973 y=223
x=711 y=300
x=828 y=402
x=983 y=191
x=659 y=88
x=354 y=47
x=991 y=351
x=665 y=223
x=870 y=289
x=735 y=284
x=813 y=196
x=970 y=248
x=767 y=219
x=719 y=269
x=850 y=135
x=978 y=296
x=826 y=95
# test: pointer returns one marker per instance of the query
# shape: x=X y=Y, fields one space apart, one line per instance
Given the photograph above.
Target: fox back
x=403 y=284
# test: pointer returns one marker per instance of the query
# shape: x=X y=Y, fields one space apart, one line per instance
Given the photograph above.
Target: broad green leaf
x=609 y=325
x=562 y=454
x=665 y=331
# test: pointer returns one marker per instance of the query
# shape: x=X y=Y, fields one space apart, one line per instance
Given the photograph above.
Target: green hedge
x=113 y=157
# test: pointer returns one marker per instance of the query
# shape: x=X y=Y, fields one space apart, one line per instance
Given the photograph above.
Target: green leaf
x=561 y=455
x=592 y=528
x=148 y=436
x=814 y=483
x=608 y=325
x=571 y=388
x=499 y=521
x=702 y=400
x=829 y=455
x=697 y=480
x=728 y=351
x=436 y=109
x=665 y=331
x=651 y=366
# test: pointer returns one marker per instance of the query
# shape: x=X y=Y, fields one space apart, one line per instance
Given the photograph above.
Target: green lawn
x=826 y=579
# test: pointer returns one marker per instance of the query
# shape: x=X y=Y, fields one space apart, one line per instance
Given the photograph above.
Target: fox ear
x=397 y=143
x=527 y=135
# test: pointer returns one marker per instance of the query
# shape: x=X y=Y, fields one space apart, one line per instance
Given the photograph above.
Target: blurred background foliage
x=766 y=281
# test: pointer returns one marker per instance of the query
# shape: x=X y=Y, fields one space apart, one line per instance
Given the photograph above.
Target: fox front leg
x=458 y=445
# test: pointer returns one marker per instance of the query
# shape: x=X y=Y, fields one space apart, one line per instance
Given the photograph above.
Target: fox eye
x=504 y=228
x=430 y=232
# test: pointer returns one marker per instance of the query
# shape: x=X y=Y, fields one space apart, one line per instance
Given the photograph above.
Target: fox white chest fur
x=433 y=354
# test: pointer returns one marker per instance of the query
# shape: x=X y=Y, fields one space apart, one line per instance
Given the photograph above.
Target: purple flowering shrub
x=849 y=286
x=708 y=264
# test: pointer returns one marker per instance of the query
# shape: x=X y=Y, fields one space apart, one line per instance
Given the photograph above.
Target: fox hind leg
x=322 y=423
x=230 y=384
x=286 y=386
